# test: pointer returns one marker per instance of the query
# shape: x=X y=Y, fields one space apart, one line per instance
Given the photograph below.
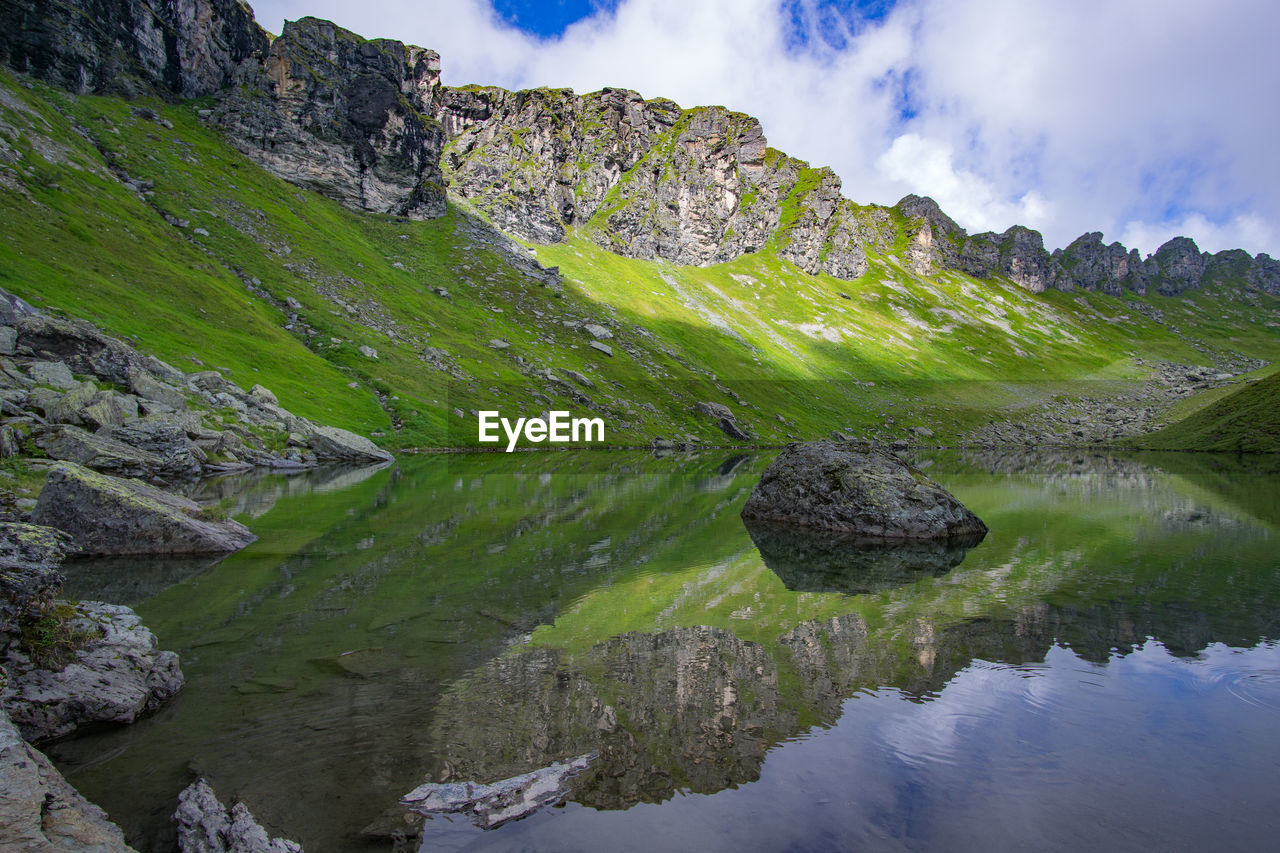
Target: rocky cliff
x=648 y=179
x=348 y=117
x=185 y=48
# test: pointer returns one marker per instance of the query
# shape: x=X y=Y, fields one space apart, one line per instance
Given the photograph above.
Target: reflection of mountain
x=816 y=561
x=697 y=709
x=690 y=709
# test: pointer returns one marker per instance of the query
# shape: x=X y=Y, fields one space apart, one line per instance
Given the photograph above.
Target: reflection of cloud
x=1148 y=115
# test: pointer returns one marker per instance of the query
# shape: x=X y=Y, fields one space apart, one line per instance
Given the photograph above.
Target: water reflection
x=811 y=561
x=475 y=618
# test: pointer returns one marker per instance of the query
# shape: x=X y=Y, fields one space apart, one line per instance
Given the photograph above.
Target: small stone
x=604 y=348
x=368 y=352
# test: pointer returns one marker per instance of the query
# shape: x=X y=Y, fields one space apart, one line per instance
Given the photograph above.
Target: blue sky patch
x=548 y=18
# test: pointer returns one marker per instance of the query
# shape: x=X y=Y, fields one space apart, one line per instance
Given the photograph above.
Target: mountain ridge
x=368 y=122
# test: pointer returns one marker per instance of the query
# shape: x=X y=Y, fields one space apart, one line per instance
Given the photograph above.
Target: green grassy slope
x=1246 y=420
x=284 y=287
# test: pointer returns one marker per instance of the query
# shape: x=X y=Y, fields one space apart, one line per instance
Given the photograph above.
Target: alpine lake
x=1101 y=672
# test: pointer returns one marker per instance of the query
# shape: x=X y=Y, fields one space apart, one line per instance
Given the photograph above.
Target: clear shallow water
x=1099 y=672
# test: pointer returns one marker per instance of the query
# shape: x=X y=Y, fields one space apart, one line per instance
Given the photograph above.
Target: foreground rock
x=206 y=826
x=115 y=676
x=39 y=811
x=824 y=485
x=495 y=804
x=108 y=515
x=29 y=575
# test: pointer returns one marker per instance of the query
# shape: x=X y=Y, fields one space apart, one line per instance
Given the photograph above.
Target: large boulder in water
x=108 y=515
x=825 y=485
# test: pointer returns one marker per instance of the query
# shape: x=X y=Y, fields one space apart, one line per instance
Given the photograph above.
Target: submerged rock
x=117 y=674
x=206 y=826
x=492 y=805
x=40 y=811
x=108 y=515
x=863 y=493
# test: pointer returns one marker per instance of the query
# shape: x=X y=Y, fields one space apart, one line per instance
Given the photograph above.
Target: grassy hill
x=139 y=217
x=1246 y=420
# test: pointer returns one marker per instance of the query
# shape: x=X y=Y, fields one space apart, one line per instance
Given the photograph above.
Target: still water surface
x=1100 y=672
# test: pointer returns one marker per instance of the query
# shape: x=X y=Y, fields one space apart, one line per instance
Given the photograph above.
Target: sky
x=1142 y=119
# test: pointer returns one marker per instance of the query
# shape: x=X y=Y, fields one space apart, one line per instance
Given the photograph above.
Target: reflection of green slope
x=1241 y=485
x=1047 y=542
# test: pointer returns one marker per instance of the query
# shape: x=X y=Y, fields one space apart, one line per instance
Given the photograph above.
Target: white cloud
x=1069 y=117
x=1245 y=230
x=928 y=168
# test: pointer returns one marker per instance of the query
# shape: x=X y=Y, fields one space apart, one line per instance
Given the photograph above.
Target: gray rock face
x=115 y=678
x=80 y=345
x=184 y=48
x=108 y=515
x=205 y=825
x=827 y=486
x=1090 y=265
x=40 y=811
x=76 y=421
x=348 y=117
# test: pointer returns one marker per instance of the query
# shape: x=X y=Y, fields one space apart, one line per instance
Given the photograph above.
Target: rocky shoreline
x=114 y=433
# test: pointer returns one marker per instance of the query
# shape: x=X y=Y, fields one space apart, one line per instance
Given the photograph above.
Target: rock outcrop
x=205 y=825
x=823 y=485
x=116 y=675
x=348 y=117
x=178 y=48
x=108 y=515
x=40 y=811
